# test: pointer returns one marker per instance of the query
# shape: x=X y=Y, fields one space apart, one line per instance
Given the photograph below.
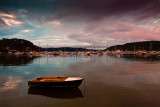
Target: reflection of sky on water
x=118 y=72
x=106 y=78
x=106 y=69
x=42 y=66
x=11 y=84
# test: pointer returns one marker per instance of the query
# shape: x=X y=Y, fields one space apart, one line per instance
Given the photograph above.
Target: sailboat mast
x=39 y=46
x=47 y=47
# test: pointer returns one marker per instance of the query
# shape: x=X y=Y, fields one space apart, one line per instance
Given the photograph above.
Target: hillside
x=143 y=45
x=17 y=44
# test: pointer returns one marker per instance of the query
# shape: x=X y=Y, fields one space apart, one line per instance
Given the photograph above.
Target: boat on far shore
x=55 y=82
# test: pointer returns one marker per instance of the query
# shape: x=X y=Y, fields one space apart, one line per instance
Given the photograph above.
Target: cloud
x=27 y=30
x=8 y=32
x=55 y=23
x=121 y=31
x=6 y=15
x=9 y=19
x=81 y=21
x=140 y=34
x=11 y=22
x=74 y=10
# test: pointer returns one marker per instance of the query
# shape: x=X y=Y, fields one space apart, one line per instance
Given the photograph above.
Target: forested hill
x=144 y=45
x=17 y=44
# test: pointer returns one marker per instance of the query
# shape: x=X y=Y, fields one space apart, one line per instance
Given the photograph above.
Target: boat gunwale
x=79 y=79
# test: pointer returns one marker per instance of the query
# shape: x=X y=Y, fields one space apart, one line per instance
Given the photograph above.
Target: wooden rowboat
x=53 y=82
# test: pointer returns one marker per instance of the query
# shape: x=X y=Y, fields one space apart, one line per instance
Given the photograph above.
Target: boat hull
x=55 y=84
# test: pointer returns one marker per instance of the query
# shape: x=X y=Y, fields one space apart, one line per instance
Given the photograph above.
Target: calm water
x=109 y=81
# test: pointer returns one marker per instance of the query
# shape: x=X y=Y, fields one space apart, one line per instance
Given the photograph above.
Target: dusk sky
x=61 y=23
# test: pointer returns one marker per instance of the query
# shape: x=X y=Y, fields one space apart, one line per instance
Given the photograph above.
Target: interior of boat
x=50 y=79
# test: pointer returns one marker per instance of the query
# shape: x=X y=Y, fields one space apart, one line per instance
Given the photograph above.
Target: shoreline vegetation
x=20 y=45
x=137 y=46
x=144 y=49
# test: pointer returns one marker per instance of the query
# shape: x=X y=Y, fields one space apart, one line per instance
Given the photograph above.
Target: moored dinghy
x=53 y=82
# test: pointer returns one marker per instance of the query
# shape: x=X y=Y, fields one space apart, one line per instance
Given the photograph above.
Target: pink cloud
x=138 y=33
x=111 y=30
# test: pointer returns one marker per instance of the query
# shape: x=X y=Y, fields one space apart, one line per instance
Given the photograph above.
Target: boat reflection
x=16 y=60
x=61 y=93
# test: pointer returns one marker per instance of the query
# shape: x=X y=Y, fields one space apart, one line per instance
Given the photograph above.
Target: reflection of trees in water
x=137 y=58
x=62 y=93
x=16 y=60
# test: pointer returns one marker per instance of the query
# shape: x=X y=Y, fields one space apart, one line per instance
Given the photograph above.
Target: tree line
x=136 y=46
x=18 y=45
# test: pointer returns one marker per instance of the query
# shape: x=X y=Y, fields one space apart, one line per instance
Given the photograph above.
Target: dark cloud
x=92 y=9
x=95 y=9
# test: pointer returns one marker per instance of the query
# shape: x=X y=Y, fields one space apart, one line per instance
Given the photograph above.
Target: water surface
x=109 y=81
